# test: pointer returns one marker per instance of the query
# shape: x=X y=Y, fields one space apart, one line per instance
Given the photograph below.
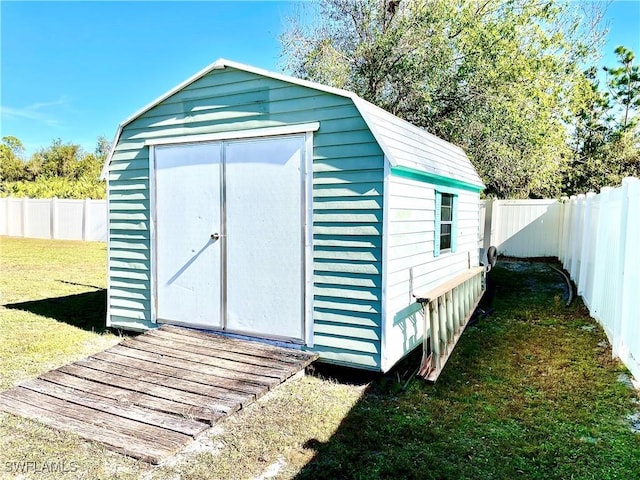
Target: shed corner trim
x=434 y=178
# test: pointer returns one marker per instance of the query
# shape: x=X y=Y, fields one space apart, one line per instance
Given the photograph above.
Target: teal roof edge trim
x=421 y=176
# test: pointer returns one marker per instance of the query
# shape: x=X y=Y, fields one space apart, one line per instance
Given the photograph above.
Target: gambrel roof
x=403 y=144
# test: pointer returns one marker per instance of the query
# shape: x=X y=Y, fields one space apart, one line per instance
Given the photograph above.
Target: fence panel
x=526 y=228
x=95 y=218
x=69 y=219
x=629 y=347
x=38 y=224
x=600 y=251
x=15 y=217
x=54 y=218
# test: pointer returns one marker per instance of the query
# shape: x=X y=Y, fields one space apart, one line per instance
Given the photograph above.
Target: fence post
x=54 y=217
x=630 y=308
x=600 y=258
x=488 y=225
x=25 y=216
x=569 y=238
x=587 y=244
x=496 y=221
x=85 y=219
x=577 y=239
x=5 y=229
x=619 y=268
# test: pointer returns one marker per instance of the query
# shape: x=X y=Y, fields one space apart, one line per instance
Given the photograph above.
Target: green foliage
x=11 y=164
x=49 y=187
x=61 y=170
x=624 y=86
x=496 y=77
x=606 y=139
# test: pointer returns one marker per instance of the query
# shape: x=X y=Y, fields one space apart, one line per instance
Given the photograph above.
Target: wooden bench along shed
x=254 y=203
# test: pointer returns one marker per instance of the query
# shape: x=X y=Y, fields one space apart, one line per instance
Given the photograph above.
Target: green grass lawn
x=52 y=305
x=530 y=392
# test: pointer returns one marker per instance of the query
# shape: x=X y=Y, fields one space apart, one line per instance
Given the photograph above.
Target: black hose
x=569 y=284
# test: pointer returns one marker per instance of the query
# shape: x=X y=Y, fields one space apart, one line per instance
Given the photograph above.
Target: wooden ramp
x=149 y=396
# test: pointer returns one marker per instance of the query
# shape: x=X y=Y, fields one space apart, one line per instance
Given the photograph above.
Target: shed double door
x=229 y=236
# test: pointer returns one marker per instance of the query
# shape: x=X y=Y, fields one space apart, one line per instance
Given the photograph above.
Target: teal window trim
x=435 y=179
x=450 y=209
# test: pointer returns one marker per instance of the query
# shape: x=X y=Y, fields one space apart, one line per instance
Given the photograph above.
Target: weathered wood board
x=149 y=396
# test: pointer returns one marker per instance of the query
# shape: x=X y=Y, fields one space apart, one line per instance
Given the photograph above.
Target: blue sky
x=75 y=70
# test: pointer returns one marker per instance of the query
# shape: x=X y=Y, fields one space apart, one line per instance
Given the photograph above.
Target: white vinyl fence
x=600 y=248
x=54 y=218
x=597 y=239
x=521 y=228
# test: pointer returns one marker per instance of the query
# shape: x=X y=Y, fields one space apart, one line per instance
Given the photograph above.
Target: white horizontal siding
x=410 y=263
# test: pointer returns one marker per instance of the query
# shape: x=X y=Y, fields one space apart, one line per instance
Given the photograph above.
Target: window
x=446 y=220
x=445 y=228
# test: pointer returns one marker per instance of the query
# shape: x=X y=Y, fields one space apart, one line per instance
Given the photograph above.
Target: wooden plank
x=218 y=376
x=168 y=441
x=129 y=397
x=442 y=320
x=210 y=362
x=448 y=285
x=435 y=373
x=450 y=328
x=426 y=362
x=246 y=346
x=126 y=444
x=108 y=405
x=276 y=371
x=435 y=334
x=145 y=367
x=107 y=378
x=254 y=348
x=277 y=360
x=138 y=381
x=180 y=384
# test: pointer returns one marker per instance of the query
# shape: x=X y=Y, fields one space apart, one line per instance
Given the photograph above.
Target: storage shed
x=253 y=203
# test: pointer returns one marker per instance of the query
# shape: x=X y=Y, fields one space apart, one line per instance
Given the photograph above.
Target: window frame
x=439 y=193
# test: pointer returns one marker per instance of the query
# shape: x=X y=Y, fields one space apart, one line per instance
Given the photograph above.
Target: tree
x=624 y=86
x=63 y=170
x=495 y=76
x=103 y=146
x=11 y=163
x=606 y=138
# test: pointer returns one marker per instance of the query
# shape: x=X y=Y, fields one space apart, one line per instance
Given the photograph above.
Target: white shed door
x=264 y=196
x=251 y=279
x=188 y=266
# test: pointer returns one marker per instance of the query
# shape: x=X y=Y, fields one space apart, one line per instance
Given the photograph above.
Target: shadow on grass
x=527 y=393
x=84 y=310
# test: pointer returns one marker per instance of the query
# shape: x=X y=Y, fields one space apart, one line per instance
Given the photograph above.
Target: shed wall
x=411 y=264
x=347 y=202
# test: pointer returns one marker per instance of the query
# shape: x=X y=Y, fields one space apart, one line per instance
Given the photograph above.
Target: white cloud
x=43 y=112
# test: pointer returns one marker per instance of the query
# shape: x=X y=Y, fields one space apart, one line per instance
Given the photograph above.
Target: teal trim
x=454 y=224
x=436 y=240
x=434 y=178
